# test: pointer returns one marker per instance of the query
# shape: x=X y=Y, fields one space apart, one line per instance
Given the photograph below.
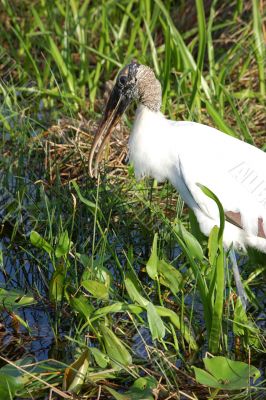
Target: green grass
x=118 y=264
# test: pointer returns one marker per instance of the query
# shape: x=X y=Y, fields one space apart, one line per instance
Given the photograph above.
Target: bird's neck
x=150 y=94
x=148 y=144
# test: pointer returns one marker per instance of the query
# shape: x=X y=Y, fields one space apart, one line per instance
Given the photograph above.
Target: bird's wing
x=233 y=170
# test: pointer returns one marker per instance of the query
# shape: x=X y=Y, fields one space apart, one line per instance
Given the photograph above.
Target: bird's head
x=134 y=82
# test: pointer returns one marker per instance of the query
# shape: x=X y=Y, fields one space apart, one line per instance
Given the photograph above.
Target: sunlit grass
x=113 y=264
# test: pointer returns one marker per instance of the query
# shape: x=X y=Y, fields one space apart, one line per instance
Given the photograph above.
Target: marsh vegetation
x=108 y=290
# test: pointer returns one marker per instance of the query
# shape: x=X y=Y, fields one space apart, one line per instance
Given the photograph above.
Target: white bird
x=187 y=153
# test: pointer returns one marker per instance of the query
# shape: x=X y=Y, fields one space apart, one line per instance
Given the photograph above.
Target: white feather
x=187 y=153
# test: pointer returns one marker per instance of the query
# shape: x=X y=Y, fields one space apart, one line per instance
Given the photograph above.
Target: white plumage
x=187 y=153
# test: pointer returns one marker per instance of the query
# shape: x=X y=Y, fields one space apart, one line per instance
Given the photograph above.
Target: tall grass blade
x=260 y=50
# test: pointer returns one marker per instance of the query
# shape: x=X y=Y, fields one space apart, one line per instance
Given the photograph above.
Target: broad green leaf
x=240 y=318
x=243 y=326
x=63 y=245
x=186 y=331
x=38 y=241
x=101 y=359
x=97 y=289
x=14 y=299
x=115 y=349
x=82 y=305
x=134 y=294
x=75 y=374
x=9 y=386
x=192 y=244
x=170 y=277
x=12 y=379
x=152 y=263
x=156 y=324
x=117 y=307
x=226 y=374
x=142 y=389
x=56 y=284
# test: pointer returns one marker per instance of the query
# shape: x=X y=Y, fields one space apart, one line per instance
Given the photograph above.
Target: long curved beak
x=115 y=107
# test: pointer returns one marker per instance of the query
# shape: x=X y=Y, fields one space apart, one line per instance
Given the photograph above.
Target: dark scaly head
x=134 y=82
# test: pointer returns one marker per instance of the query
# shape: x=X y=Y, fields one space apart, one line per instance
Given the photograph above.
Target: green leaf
x=192 y=244
x=226 y=374
x=14 y=299
x=156 y=324
x=56 y=284
x=134 y=293
x=217 y=312
x=9 y=386
x=213 y=244
x=100 y=358
x=117 y=307
x=97 y=289
x=82 y=305
x=38 y=241
x=115 y=349
x=186 y=330
x=152 y=263
x=170 y=277
x=142 y=389
x=92 y=206
x=12 y=380
x=75 y=374
x=63 y=246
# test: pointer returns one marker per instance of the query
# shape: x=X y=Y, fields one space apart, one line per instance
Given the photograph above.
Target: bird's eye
x=122 y=80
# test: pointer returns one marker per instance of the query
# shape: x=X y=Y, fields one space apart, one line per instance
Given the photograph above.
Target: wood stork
x=187 y=153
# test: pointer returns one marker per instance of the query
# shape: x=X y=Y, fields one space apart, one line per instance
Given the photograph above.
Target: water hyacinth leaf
x=134 y=293
x=142 y=389
x=82 y=305
x=115 y=349
x=63 y=245
x=38 y=241
x=170 y=277
x=191 y=242
x=152 y=263
x=100 y=358
x=97 y=289
x=156 y=324
x=75 y=374
x=14 y=299
x=56 y=284
x=226 y=374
